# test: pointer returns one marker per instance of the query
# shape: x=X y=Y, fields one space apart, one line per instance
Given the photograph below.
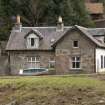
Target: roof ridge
x=81 y=27
x=87 y=28
x=95 y=28
x=47 y=27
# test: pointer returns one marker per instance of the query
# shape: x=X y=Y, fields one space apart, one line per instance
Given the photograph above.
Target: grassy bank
x=63 y=90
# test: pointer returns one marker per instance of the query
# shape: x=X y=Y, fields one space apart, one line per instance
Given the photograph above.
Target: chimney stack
x=60 y=25
x=18 y=24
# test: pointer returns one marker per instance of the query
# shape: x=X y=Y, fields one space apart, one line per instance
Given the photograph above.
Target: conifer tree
x=43 y=12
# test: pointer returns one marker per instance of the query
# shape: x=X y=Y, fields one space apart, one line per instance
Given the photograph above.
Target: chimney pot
x=18 y=19
x=60 y=25
x=60 y=19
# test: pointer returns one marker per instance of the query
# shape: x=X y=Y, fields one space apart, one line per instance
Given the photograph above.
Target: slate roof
x=36 y=32
x=96 y=31
x=90 y=32
x=17 y=40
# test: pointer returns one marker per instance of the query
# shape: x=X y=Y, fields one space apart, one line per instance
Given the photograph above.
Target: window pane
x=75 y=44
x=73 y=64
x=77 y=64
x=104 y=61
x=33 y=58
x=32 y=41
x=101 y=61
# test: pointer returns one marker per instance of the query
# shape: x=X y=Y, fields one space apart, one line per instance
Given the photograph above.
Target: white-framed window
x=102 y=61
x=75 y=44
x=76 y=62
x=32 y=41
x=52 y=62
x=102 y=58
x=33 y=62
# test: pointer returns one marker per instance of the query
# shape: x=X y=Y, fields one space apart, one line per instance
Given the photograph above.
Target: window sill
x=75 y=47
x=32 y=47
x=76 y=69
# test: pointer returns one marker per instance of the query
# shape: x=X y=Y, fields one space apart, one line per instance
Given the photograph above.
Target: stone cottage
x=67 y=49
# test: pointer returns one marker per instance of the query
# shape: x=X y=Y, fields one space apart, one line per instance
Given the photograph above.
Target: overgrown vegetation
x=63 y=90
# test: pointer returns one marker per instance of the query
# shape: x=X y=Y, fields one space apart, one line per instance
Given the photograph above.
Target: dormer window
x=32 y=41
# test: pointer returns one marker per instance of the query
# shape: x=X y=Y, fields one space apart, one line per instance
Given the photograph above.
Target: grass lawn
x=55 y=90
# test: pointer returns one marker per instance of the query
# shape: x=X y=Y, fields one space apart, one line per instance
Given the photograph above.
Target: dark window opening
x=101 y=62
x=32 y=41
x=75 y=44
x=104 y=61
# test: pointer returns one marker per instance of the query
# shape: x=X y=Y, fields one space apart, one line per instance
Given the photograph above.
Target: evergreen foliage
x=41 y=13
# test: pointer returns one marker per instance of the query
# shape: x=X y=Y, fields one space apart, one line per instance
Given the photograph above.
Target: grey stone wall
x=3 y=65
x=17 y=59
x=3 y=58
x=65 y=50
